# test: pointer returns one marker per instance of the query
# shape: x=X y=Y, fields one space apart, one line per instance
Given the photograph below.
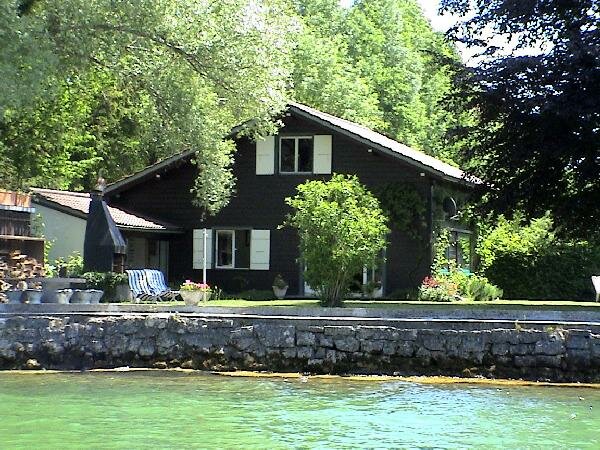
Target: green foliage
x=537 y=103
x=440 y=258
x=457 y=285
x=513 y=236
x=393 y=46
x=438 y=289
x=73 y=264
x=405 y=206
x=105 y=281
x=174 y=76
x=279 y=282
x=480 y=289
x=378 y=63
x=530 y=262
x=560 y=272
x=341 y=228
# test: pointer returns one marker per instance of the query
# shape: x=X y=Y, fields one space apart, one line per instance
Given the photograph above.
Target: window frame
x=232 y=233
x=296 y=139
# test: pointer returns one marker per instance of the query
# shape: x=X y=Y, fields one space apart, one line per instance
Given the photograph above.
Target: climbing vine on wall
x=404 y=205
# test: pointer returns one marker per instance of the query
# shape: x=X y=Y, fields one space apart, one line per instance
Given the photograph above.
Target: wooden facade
x=258 y=204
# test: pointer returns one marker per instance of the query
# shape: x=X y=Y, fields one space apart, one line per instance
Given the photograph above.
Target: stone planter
x=14 y=296
x=60 y=296
x=95 y=296
x=280 y=291
x=193 y=298
x=86 y=297
x=34 y=296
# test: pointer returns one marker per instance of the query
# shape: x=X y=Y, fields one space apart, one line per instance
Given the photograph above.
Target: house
x=245 y=248
x=65 y=213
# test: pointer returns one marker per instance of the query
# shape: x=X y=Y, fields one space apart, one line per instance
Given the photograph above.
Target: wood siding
x=258 y=202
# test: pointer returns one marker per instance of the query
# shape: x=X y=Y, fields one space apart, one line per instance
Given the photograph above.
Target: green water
x=177 y=410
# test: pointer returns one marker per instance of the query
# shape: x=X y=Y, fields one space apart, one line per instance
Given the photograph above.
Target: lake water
x=191 y=410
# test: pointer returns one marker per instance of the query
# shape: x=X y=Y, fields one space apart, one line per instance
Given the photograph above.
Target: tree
x=342 y=229
x=537 y=139
x=393 y=46
x=64 y=141
x=204 y=67
x=324 y=74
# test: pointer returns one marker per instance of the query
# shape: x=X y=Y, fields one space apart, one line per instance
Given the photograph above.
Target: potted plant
x=193 y=293
x=280 y=286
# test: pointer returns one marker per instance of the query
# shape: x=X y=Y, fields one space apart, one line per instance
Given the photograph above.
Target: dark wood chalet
x=245 y=248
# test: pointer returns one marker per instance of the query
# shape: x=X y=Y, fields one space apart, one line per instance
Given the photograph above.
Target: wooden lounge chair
x=596 y=283
x=158 y=286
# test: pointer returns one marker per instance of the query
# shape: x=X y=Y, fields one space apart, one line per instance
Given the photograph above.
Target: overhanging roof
x=382 y=143
x=360 y=133
x=77 y=204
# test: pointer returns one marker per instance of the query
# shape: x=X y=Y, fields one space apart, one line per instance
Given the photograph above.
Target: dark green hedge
x=562 y=272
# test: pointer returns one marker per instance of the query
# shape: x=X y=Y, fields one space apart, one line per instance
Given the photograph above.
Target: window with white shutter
x=322 y=156
x=265 y=156
x=260 y=249
x=198 y=248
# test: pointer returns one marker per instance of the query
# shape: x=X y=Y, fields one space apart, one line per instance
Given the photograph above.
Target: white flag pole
x=204 y=259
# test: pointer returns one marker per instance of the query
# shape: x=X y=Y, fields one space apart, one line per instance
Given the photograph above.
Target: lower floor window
x=233 y=249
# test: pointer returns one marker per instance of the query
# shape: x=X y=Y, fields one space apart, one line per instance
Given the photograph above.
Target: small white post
x=204 y=259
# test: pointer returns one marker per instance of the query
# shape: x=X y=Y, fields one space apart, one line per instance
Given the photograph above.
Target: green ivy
x=404 y=205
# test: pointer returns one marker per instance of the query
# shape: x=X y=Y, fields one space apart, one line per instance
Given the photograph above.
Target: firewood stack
x=17 y=266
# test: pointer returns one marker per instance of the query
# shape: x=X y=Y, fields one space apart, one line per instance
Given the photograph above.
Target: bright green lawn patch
x=406 y=304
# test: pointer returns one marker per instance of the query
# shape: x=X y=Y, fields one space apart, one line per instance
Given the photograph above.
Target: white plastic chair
x=596 y=283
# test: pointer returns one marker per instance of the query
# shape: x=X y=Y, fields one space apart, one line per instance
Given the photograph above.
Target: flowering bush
x=191 y=286
x=457 y=286
x=440 y=289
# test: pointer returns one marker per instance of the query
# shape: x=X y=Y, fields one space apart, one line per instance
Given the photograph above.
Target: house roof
x=78 y=204
x=371 y=138
x=382 y=143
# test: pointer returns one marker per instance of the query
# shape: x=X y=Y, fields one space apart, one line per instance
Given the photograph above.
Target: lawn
x=406 y=304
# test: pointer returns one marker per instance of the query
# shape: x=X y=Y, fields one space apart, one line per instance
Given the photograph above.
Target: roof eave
x=436 y=173
x=142 y=175
x=81 y=215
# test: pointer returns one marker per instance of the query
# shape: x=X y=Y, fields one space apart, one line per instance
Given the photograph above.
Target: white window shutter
x=265 y=156
x=260 y=249
x=198 y=249
x=322 y=157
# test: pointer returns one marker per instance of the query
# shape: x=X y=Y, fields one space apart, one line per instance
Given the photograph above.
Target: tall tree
x=393 y=46
x=203 y=66
x=324 y=74
x=537 y=143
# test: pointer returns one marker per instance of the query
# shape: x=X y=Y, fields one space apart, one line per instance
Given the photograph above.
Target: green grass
x=401 y=304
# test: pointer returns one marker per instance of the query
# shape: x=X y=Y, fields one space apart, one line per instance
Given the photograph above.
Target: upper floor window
x=296 y=154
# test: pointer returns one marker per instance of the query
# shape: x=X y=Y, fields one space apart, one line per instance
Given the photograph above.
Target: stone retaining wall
x=171 y=340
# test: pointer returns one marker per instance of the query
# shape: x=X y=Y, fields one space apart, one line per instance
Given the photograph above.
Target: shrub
x=528 y=261
x=341 y=228
x=105 y=281
x=437 y=290
x=480 y=289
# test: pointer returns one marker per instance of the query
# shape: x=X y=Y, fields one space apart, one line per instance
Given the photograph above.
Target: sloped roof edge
x=76 y=204
x=353 y=130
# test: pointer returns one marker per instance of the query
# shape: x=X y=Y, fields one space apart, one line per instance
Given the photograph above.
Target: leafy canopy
x=199 y=68
x=342 y=229
x=537 y=140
